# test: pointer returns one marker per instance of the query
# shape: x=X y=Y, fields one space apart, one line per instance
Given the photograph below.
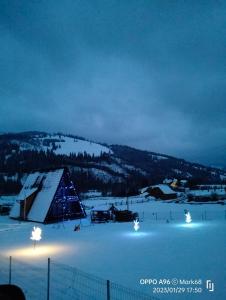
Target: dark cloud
x=150 y=74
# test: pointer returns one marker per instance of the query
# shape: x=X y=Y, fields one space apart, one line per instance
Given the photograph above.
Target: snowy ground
x=160 y=250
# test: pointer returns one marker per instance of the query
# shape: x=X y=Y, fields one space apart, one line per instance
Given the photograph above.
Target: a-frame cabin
x=47 y=197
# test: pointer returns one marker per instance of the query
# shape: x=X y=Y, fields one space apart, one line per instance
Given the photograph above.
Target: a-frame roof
x=45 y=184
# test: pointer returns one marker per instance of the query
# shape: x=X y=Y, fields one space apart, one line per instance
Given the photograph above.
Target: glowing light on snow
x=188 y=218
x=136 y=225
x=41 y=251
x=36 y=234
x=190 y=225
x=136 y=234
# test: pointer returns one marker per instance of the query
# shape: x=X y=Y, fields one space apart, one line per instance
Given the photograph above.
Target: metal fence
x=129 y=201
x=61 y=282
x=172 y=215
x=205 y=215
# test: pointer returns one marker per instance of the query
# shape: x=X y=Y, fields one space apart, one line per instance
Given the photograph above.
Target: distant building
x=162 y=191
x=47 y=197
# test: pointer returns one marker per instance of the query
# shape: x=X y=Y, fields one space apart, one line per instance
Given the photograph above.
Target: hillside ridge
x=93 y=165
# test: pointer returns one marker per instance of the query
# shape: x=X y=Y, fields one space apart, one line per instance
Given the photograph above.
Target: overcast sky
x=149 y=74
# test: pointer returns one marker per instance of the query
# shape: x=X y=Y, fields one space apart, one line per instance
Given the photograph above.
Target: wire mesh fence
x=31 y=279
x=171 y=215
x=76 y=284
x=118 y=292
x=61 y=282
x=124 y=202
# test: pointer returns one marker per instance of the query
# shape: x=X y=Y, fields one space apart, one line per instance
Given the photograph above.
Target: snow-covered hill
x=94 y=165
x=59 y=144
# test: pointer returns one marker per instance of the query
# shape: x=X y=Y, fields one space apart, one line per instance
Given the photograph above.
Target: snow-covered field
x=159 y=250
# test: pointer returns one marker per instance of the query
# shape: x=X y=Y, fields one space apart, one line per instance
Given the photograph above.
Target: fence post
x=108 y=290
x=10 y=269
x=48 y=279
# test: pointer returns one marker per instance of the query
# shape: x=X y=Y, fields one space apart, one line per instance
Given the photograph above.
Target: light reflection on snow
x=40 y=250
x=189 y=225
x=137 y=234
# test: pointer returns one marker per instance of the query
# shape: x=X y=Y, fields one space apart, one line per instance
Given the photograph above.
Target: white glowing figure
x=188 y=218
x=136 y=225
x=36 y=235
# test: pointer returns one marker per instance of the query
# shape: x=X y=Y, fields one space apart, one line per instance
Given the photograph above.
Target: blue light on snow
x=189 y=225
x=136 y=234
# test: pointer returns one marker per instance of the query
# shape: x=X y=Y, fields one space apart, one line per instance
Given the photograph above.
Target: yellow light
x=41 y=251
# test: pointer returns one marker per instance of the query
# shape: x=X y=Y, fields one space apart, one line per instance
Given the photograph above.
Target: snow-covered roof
x=183 y=181
x=144 y=189
x=27 y=189
x=44 y=198
x=164 y=188
x=145 y=194
x=40 y=207
x=167 y=180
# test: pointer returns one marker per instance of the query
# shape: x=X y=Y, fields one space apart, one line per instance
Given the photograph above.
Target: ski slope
x=71 y=145
x=64 y=145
